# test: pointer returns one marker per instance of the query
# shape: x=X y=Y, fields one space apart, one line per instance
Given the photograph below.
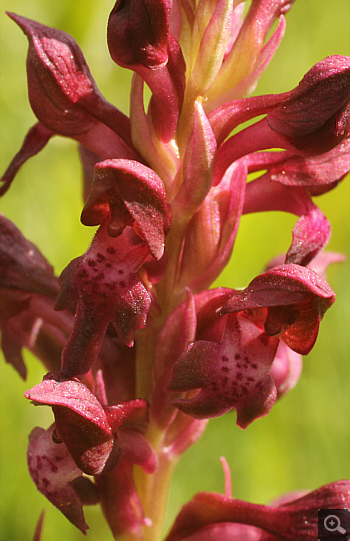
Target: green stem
x=153 y=488
x=153 y=492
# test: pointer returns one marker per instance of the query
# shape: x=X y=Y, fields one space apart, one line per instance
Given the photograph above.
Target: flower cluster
x=139 y=350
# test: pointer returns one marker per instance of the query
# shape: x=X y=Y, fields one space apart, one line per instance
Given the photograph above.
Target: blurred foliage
x=304 y=442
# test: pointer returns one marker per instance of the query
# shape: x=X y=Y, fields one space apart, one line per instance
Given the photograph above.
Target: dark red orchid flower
x=288 y=301
x=209 y=516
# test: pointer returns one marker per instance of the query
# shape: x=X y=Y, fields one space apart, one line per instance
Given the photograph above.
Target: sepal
x=90 y=430
x=53 y=471
x=80 y=422
x=322 y=171
x=27 y=290
x=132 y=194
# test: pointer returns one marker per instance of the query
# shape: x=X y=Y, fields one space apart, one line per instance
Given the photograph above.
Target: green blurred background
x=304 y=442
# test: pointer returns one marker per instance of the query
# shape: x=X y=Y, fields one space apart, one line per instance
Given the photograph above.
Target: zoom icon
x=333 y=524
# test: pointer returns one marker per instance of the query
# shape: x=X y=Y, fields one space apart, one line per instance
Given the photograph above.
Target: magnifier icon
x=332 y=524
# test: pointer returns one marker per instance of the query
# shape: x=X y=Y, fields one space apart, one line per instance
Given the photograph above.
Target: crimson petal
x=293 y=300
x=105 y=283
x=53 y=470
x=229 y=374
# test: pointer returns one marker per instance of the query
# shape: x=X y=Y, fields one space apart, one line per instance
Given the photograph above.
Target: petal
x=320 y=263
x=12 y=339
x=229 y=374
x=139 y=38
x=105 y=283
x=286 y=369
x=58 y=77
x=160 y=156
x=167 y=86
x=296 y=298
x=53 y=470
x=228 y=116
x=311 y=234
x=309 y=120
x=36 y=327
x=130 y=414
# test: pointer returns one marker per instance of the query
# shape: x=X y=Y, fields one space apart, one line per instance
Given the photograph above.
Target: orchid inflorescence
x=140 y=353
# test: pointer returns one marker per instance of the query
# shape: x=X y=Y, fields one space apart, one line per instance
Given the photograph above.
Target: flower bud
x=296 y=520
x=138 y=33
x=58 y=77
x=62 y=92
x=139 y=39
x=315 y=117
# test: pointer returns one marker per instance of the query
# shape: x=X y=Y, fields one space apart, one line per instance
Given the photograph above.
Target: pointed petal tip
x=20 y=20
